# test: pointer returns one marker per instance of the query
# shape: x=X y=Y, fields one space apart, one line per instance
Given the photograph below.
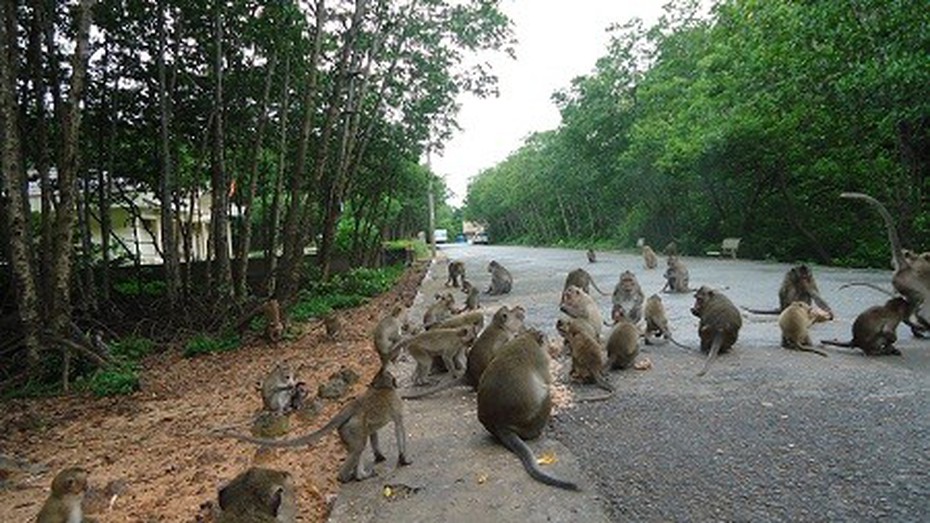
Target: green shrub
x=137 y=288
x=206 y=344
x=132 y=348
x=114 y=382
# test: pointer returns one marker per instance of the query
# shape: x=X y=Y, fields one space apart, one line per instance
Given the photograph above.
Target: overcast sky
x=557 y=41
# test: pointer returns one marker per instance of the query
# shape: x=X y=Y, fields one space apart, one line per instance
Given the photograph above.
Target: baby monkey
x=64 y=502
x=794 y=322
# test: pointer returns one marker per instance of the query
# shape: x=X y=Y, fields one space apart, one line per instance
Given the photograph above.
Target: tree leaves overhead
x=745 y=121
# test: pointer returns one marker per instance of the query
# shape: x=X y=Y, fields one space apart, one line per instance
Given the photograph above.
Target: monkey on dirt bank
x=63 y=504
x=357 y=423
x=258 y=495
x=514 y=400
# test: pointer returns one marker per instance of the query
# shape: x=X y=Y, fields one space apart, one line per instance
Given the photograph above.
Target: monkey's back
x=513 y=394
x=720 y=317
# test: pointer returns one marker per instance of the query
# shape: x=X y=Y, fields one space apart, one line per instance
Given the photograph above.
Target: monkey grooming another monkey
x=258 y=495
x=650 y=260
x=456 y=274
x=874 y=330
x=514 y=400
x=798 y=285
x=579 y=304
x=472 y=297
x=63 y=504
x=388 y=332
x=279 y=388
x=911 y=271
x=474 y=319
x=588 y=359
x=720 y=323
x=581 y=279
x=439 y=311
x=357 y=422
x=794 y=322
x=623 y=342
x=676 y=276
x=505 y=324
x=501 y=280
x=628 y=295
x=449 y=344
x=592 y=256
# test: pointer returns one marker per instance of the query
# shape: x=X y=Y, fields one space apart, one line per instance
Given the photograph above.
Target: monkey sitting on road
x=258 y=495
x=501 y=280
x=456 y=274
x=794 y=322
x=650 y=260
x=623 y=342
x=580 y=305
x=388 y=332
x=439 y=311
x=471 y=297
x=514 y=399
x=628 y=295
x=581 y=279
x=720 y=323
x=63 y=504
x=357 y=422
x=592 y=256
x=799 y=285
x=588 y=359
x=874 y=330
x=676 y=276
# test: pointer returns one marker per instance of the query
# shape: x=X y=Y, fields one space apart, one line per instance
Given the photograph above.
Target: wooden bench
x=729 y=246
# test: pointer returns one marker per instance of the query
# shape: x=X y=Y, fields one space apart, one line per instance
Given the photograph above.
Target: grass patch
x=344 y=291
x=115 y=381
x=207 y=344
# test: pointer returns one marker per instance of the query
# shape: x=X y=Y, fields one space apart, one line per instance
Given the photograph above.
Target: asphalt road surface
x=768 y=434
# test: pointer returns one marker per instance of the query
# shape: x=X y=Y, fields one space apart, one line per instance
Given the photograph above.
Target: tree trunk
x=13 y=179
x=271 y=253
x=166 y=184
x=219 y=218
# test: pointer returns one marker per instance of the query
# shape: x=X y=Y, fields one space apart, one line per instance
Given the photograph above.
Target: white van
x=441 y=235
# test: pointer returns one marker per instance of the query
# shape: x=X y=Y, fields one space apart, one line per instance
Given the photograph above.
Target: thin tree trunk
x=275 y=212
x=13 y=179
x=219 y=218
x=166 y=183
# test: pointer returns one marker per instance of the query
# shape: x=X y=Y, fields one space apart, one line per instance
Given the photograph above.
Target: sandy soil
x=154 y=446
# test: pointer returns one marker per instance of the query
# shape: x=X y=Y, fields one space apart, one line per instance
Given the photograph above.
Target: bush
x=131 y=348
x=138 y=288
x=115 y=381
x=206 y=344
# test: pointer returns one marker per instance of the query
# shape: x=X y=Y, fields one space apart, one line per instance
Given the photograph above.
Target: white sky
x=557 y=40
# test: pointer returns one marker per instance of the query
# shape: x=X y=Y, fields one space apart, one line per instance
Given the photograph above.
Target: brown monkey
x=333 y=326
x=514 y=399
x=64 y=502
x=628 y=295
x=472 y=318
x=358 y=422
x=581 y=279
x=657 y=322
x=676 y=275
x=671 y=249
x=579 y=304
x=798 y=285
x=449 y=344
x=794 y=322
x=472 y=297
x=279 y=388
x=388 y=332
x=258 y=495
x=456 y=274
x=505 y=324
x=592 y=256
x=274 y=326
x=623 y=342
x=501 y=280
x=650 y=260
x=720 y=323
x=911 y=271
x=588 y=359
x=874 y=330
x=563 y=325
x=440 y=310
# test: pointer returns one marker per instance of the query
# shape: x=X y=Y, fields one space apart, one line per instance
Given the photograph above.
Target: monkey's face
x=617 y=313
x=899 y=307
x=701 y=297
x=70 y=481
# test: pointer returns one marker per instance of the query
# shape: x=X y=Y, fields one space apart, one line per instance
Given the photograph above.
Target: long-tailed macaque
x=794 y=322
x=676 y=275
x=501 y=280
x=592 y=256
x=628 y=295
x=579 y=304
x=441 y=310
x=720 y=323
x=623 y=342
x=588 y=358
x=799 y=285
x=279 y=388
x=449 y=344
x=456 y=274
x=514 y=400
x=258 y=495
x=650 y=260
x=875 y=329
x=63 y=504
x=388 y=332
x=581 y=279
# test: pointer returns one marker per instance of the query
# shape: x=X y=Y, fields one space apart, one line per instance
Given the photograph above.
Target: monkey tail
x=309 y=439
x=808 y=348
x=675 y=342
x=869 y=285
x=896 y=252
x=598 y=289
x=439 y=387
x=522 y=450
x=848 y=344
x=712 y=353
x=762 y=311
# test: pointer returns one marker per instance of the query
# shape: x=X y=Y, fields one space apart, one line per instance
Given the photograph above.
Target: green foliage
x=137 y=288
x=208 y=344
x=344 y=291
x=114 y=382
x=132 y=348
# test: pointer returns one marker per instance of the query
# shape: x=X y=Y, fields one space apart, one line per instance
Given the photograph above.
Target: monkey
x=874 y=330
x=676 y=275
x=623 y=342
x=794 y=322
x=388 y=332
x=456 y=274
x=279 y=389
x=563 y=325
x=657 y=322
x=578 y=304
x=472 y=297
x=629 y=296
x=258 y=495
x=274 y=326
x=671 y=249
x=592 y=256
x=911 y=271
x=439 y=311
x=588 y=359
x=515 y=401
x=333 y=326
x=581 y=279
x=63 y=504
x=650 y=260
x=505 y=324
x=798 y=285
x=501 y=280
x=720 y=323
x=358 y=422
x=472 y=318
x=449 y=344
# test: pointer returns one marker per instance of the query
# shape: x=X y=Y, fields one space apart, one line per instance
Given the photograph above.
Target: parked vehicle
x=481 y=238
x=441 y=235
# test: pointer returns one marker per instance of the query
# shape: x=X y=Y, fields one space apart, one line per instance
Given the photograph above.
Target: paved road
x=767 y=434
